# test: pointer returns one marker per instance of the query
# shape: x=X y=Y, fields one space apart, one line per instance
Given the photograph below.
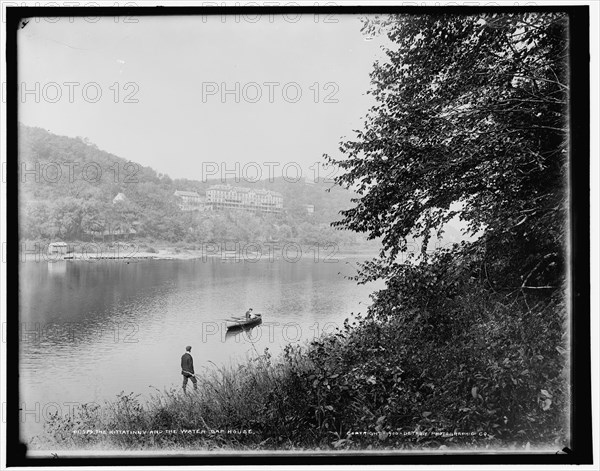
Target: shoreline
x=292 y=252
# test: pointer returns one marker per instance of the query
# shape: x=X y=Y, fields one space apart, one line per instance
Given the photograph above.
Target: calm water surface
x=91 y=330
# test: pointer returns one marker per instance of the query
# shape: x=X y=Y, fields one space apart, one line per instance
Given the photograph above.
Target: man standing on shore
x=187 y=369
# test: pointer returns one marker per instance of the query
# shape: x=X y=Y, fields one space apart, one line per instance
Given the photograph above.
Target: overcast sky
x=162 y=80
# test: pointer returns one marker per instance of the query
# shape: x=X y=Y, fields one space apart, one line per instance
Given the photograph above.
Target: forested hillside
x=67 y=187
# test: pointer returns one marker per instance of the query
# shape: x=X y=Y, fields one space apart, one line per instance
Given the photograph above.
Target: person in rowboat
x=187 y=369
x=249 y=314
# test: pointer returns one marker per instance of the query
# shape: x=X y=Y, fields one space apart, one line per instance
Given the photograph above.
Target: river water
x=90 y=330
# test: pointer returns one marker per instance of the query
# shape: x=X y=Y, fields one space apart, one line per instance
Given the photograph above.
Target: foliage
x=67 y=188
x=469 y=121
x=402 y=386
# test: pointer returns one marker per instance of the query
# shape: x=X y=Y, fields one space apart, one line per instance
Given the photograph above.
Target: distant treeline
x=67 y=188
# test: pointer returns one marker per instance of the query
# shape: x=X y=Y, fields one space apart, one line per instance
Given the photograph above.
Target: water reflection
x=92 y=330
x=58 y=267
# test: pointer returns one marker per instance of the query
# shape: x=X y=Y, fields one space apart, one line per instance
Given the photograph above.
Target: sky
x=195 y=96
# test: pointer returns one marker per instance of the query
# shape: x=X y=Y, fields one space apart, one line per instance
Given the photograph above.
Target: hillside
x=68 y=186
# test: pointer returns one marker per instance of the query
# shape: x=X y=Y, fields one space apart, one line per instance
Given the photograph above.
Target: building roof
x=243 y=189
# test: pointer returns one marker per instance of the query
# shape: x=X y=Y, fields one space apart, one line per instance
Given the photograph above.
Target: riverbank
x=236 y=252
x=387 y=385
x=284 y=404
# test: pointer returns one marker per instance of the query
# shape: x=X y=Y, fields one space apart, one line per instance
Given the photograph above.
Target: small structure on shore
x=57 y=248
x=119 y=198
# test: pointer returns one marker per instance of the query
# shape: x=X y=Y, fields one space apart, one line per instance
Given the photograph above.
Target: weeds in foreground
x=491 y=378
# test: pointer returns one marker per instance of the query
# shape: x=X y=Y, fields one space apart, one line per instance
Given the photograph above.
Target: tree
x=92 y=221
x=66 y=214
x=469 y=120
x=37 y=222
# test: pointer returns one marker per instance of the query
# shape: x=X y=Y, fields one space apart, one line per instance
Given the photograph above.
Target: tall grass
x=226 y=409
x=488 y=374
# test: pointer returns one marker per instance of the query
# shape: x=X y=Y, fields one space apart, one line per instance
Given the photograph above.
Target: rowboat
x=236 y=323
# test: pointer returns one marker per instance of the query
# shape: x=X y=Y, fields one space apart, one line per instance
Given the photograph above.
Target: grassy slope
x=499 y=376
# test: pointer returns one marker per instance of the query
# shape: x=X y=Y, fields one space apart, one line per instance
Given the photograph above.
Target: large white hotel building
x=235 y=197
